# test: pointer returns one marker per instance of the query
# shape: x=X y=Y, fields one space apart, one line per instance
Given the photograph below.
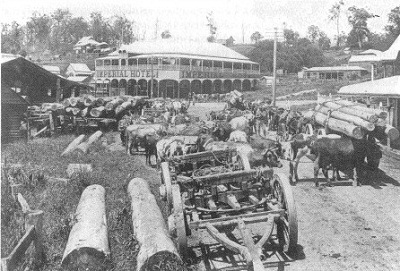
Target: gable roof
x=52 y=69
x=9 y=96
x=393 y=52
x=191 y=48
x=80 y=67
x=389 y=86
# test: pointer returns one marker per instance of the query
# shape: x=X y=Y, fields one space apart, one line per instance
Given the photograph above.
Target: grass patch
x=112 y=170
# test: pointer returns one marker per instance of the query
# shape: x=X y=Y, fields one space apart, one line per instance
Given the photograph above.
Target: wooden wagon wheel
x=287 y=228
x=166 y=178
x=179 y=218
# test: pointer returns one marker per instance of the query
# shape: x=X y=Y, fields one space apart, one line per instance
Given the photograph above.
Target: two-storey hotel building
x=175 y=68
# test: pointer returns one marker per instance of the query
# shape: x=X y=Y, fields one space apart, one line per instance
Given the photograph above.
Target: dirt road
x=340 y=228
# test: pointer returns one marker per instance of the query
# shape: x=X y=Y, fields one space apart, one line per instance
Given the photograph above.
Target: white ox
x=238 y=136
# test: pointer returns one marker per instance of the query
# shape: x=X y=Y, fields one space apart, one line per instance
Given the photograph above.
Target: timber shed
x=36 y=83
x=13 y=107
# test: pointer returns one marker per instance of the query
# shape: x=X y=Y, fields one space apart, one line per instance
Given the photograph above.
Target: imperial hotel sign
x=175 y=69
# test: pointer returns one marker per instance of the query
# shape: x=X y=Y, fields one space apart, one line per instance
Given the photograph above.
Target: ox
x=238 y=136
x=338 y=153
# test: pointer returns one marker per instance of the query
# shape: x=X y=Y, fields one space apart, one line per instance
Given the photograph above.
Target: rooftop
x=80 y=67
x=389 y=86
x=336 y=68
x=170 y=46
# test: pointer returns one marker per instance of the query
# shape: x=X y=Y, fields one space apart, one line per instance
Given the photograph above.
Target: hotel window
x=196 y=62
x=99 y=63
x=217 y=64
x=185 y=61
x=115 y=62
x=255 y=67
x=142 y=61
x=168 y=61
x=227 y=65
x=107 y=62
x=132 y=61
x=123 y=62
x=246 y=66
x=237 y=66
x=207 y=63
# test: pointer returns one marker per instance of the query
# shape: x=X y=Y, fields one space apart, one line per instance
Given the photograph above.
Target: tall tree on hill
x=256 y=37
x=313 y=33
x=79 y=28
x=393 y=28
x=60 y=29
x=334 y=15
x=291 y=37
x=12 y=36
x=38 y=30
x=122 y=30
x=323 y=41
x=358 y=19
x=212 y=27
x=100 y=28
x=166 y=34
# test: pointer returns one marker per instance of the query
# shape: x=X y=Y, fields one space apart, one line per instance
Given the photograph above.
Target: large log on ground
x=352 y=111
x=89 y=100
x=157 y=250
x=378 y=112
x=75 y=111
x=99 y=102
x=85 y=111
x=120 y=109
x=338 y=125
x=346 y=117
x=97 y=112
x=73 y=145
x=84 y=146
x=87 y=247
x=66 y=103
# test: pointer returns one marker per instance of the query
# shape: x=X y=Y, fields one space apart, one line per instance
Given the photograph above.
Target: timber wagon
x=219 y=194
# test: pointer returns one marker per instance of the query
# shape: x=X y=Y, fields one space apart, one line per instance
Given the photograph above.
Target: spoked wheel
x=166 y=179
x=286 y=226
x=179 y=218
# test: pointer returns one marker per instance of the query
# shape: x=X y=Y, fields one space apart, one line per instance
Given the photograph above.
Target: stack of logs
x=353 y=119
x=103 y=107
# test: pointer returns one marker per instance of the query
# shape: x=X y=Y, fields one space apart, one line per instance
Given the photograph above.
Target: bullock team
x=247 y=127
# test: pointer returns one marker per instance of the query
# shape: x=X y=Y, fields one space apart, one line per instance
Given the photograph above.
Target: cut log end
x=86 y=258
x=163 y=260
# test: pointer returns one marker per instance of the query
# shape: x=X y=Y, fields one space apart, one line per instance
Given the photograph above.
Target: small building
x=335 y=73
x=366 y=59
x=52 y=69
x=390 y=59
x=86 y=45
x=78 y=69
x=268 y=80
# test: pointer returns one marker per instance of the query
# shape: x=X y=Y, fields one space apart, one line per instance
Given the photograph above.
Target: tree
x=291 y=37
x=38 y=29
x=122 y=30
x=100 y=28
x=358 y=18
x=393 y=28
x=334 y=15
x=12 y=38
x=256 y=37
x=79 y=28
x=166 y=34
x=212 y=27
x=313 y=33
x=323 y=41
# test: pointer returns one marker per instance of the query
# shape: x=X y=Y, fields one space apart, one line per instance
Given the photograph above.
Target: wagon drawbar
x=226 y=197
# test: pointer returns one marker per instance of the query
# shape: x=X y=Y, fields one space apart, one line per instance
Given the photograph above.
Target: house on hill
x=78 y=69
x=86 y=45
x=334 y=73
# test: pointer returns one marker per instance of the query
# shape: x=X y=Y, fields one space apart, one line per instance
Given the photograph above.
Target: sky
x=186 y=19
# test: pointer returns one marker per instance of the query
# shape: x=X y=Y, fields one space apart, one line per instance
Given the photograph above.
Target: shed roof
x=170 y=46
x=389 y=86
x=392 y=53
x=80 y=67
x=364 y=58
x=336 y=68
x=52 y=69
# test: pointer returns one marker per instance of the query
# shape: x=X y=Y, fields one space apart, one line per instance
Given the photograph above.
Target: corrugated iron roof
x=389 y=86
x=336 y=68
x=393 y=51
x=364 y=58
x=80 y=67
x=8 y=57
x=168 y=46
x=52 y=69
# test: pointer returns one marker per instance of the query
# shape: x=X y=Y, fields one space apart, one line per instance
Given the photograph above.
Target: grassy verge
x=113 y=170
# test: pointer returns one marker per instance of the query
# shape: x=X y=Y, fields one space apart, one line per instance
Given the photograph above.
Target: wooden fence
x=33 y=229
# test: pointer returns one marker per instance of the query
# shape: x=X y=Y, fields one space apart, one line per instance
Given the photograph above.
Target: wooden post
x=35 y=218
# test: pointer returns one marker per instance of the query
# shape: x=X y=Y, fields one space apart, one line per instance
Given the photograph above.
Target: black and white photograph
x=200 y=135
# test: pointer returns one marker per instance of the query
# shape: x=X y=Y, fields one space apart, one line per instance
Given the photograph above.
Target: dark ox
x=336 y=153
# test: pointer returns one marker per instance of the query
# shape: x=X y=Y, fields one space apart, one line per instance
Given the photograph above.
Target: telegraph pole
x=152 y=78
x=274 y=69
